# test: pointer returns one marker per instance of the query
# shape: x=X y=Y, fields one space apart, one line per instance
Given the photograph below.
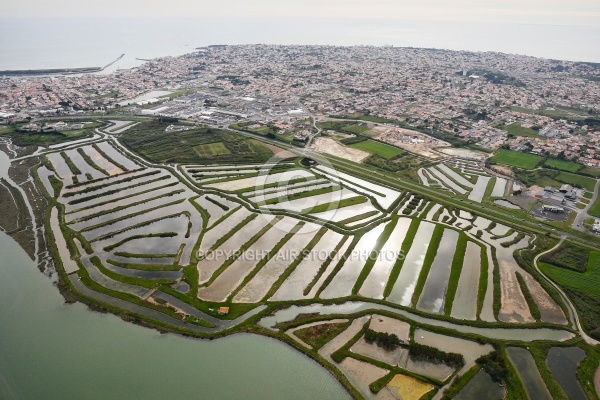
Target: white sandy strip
x=499 y=187
x=261 y=180
x=375 y=282
x=479 y=188
x=344 y=280
x=389 y=195
x=293 y=287
x=258 y=287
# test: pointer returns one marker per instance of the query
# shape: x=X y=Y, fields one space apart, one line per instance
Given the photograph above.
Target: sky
x=550 y=12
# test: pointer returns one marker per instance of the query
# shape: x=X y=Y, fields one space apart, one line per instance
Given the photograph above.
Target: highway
x=387 y=179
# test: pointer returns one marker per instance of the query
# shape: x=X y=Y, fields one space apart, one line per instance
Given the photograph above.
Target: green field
x=197 y=145
x=588 y=282
x=211 y=149
x=595 y=209
x=381 y=149
x=356 y=128
x=343 y=126
x=517 y=159
x=576 y=180
x=563 y=165
x=591 y=171
x=568 y=256
x=517 y=130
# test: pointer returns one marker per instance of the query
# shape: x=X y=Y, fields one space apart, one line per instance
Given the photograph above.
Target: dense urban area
x=488 y=99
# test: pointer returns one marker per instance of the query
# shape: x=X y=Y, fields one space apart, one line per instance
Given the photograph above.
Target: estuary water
x=50 y=350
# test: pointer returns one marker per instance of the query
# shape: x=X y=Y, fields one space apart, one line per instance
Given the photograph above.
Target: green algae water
x=50 y=350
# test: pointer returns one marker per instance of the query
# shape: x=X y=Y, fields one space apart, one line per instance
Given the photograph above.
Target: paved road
x=397 y=182
x=161 y=317
x=578 y=223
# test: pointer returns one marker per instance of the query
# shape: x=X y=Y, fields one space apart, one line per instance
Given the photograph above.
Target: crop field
x=563 y=165
x=576 y=180
x=381 y=149
x=517 y=159
x=587 y=282
x=210 y=150
x=518 y=130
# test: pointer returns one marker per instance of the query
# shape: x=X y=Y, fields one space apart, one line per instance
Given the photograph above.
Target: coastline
x=59 y=71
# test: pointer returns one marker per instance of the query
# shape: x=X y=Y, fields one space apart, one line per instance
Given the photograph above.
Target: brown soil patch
x=413 y=141
x=503 y=170
x=330 y=146
x=385 y=324
x=312 y=333
x=279 y=152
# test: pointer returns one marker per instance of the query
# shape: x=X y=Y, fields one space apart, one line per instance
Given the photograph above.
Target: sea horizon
x=35 y=43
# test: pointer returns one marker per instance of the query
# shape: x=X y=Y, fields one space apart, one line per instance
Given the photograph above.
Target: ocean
x=89 y=42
